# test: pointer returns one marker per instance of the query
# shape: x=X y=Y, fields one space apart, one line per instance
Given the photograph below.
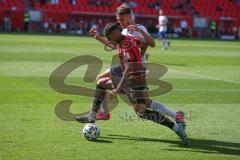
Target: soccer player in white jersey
x=124 y=17
x=162 y=29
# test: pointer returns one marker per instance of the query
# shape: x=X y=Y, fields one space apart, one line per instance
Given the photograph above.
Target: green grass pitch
x=206 y=80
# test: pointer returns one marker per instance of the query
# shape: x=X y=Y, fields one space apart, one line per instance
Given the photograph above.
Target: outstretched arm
x=93 y=32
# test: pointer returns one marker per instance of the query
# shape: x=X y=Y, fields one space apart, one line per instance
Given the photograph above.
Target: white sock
x=158 y=107
x=162 y=41
x=165 y=43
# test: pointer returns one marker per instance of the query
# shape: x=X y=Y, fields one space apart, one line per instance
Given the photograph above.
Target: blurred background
x=187 y=18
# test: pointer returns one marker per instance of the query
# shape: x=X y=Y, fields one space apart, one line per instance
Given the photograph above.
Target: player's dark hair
x=123 y=10
x=109 y=28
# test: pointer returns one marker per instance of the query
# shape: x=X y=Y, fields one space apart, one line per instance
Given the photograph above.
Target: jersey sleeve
x=143 y=28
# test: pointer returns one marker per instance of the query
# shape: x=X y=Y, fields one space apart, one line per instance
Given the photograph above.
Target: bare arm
x=150 y=41
x=124 y=77
x=103 y=40
x=143 y=46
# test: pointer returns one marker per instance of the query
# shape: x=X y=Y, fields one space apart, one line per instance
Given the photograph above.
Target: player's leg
x=163 y=109
x=142 y=102
x=105 y=74
x=100 y=93
x=115 y=74
x=159 y=107
x=103 y=83
x=103 y=113
x=160 y=38
x=164 y=40
x=146 y=113
x=141 y=106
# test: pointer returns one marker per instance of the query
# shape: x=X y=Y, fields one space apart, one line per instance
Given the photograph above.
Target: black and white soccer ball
x=91 y=131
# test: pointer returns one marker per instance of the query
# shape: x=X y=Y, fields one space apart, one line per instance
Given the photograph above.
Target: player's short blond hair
x=124 y=9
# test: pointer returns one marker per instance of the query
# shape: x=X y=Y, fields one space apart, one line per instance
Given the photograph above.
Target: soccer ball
x=91 y=132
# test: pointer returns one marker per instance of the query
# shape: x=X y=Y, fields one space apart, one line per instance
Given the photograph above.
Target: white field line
x=207 y=90
x=180 y=90
x=205 y=76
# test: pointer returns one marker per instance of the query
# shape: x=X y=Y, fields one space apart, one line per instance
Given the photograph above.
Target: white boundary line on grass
x=205 y=76
x=181 y=90
x=207 y=90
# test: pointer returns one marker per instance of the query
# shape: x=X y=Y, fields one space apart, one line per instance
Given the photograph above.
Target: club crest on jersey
x=126 y=44
x=126 y=55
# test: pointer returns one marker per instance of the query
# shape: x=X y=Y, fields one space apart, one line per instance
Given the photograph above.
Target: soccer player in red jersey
x=126 y=21
x=132 y=81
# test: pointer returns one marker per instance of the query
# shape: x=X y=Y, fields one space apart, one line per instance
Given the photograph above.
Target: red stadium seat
x=205 y=8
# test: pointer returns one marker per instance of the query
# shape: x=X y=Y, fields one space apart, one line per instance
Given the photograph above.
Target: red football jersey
x=129 y=52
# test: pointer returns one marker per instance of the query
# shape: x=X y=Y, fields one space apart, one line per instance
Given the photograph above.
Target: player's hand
x=112 y=94
x=133 y=28
x=93 y=32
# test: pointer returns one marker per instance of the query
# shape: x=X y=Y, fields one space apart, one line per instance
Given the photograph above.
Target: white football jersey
x=136 y=34
x=163 y=20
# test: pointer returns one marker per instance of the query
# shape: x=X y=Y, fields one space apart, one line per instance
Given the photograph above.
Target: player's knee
x=101 y=76
x=98 y=77
x=101 y=82
x=104 y=82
